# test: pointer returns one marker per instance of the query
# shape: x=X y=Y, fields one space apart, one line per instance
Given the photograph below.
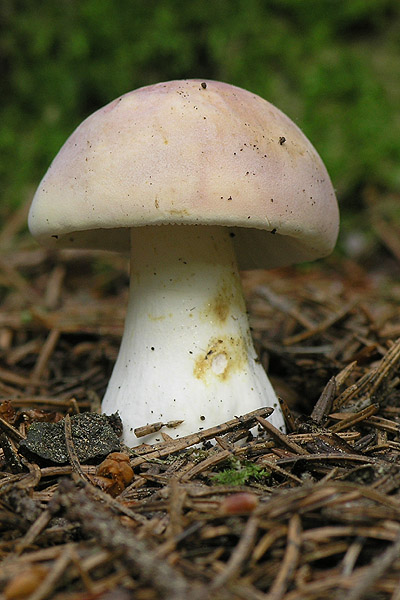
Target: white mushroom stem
x=186 y=352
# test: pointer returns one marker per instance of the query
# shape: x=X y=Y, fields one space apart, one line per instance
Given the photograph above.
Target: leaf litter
x=224 y=514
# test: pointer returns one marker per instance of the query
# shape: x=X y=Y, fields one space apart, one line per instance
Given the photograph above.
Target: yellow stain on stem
x=227 y=301
x=223 y=357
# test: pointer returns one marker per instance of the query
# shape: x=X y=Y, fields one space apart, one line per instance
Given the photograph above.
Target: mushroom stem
x=186 y=352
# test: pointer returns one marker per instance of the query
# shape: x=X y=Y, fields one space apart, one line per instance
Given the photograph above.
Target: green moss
x=240 y=473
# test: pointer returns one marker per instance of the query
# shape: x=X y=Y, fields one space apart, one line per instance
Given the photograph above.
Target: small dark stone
x=115 y=422
x=93 y=436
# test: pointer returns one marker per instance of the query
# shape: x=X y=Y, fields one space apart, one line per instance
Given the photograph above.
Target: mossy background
x=332 y=65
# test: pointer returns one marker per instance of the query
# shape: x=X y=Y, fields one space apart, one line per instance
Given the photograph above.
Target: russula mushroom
x=195 y=178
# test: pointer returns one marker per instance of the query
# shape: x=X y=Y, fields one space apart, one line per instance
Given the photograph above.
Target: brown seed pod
x=238 y=504
x=114 y=473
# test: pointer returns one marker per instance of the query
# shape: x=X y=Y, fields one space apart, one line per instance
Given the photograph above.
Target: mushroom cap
x=190 y=152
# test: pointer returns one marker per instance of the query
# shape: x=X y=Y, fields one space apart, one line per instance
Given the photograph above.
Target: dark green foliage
x=332 y=65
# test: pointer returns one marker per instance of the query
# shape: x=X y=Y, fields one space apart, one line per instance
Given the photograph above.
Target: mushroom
x=196 y=178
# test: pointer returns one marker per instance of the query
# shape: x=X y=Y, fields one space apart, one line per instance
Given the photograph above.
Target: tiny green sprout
x=240 y=473
x=26 y=317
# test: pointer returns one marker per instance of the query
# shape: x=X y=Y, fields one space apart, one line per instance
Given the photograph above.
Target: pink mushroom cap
x=190 y=152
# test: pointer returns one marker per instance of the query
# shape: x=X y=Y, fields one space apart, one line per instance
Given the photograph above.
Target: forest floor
x=307 y=515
